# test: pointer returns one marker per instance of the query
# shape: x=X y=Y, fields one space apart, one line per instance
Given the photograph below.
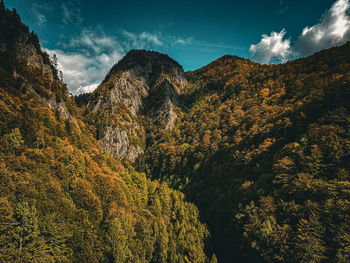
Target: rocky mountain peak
x=149 y=66
x=147 y=59
x=29 y=66
x=143 y=85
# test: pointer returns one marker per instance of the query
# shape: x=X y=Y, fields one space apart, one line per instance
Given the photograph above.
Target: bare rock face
x=34 y=60
x=116 y=142
x=144 y=85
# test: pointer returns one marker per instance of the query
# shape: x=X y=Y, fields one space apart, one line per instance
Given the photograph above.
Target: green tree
x=40 y=140
x=309 y=244
x=7 y=231
x=119 y=235
x=343 y=253
x=30 y=245
x=58 y=235
x=14 y=140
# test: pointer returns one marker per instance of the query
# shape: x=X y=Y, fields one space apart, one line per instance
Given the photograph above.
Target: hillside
x=263 y=151
x=62 y=198
x=233 y=162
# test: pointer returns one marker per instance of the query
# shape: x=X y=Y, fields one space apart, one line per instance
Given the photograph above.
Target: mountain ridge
x=249 y=140
x=144 y=86
x=64 y=199
x=263 y=152
x=238 y=124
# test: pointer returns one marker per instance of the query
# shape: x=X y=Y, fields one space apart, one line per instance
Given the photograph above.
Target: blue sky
x=90 y=36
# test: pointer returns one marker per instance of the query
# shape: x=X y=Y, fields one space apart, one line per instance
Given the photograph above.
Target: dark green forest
x=255 y=169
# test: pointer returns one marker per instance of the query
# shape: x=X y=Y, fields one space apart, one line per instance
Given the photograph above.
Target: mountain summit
x=153 y=63
x=140 y=91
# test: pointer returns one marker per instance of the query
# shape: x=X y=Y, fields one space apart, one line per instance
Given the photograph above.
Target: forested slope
x=62 y=199
x=263 y=150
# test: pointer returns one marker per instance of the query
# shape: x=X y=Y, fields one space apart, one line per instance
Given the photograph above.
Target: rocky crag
x=140 y=91
x=29 y=67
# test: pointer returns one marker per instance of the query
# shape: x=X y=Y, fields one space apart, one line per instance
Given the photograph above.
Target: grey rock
x=145 y=83
x=116 y=142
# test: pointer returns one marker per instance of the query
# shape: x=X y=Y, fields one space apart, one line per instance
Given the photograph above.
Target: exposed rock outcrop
x=142 y=89
x=30 y=66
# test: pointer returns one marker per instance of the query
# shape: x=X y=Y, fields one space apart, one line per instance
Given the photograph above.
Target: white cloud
x=93 y=42
x=86 y=59
x=183 y=41
x=146 y=40
x=151 y=38
x=141 y=41
x=271 y=48
x=333 y=29
x=87 y=89
x=81 y=72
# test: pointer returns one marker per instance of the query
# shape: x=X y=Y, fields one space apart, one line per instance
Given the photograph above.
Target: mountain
x=140 y=91
x=64 y=199
x=258 y=155
x=263 y=151
x=27 y=69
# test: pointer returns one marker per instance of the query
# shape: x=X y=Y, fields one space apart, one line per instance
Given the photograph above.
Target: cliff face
x=139 y=91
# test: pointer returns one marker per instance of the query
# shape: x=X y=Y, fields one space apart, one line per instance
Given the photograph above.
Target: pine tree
x=31 y=245
x=14 y=140
x=309 y=245
x=118 y=236
x=7 y=231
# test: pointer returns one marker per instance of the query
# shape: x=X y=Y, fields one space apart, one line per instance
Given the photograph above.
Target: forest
x=263 y=151
x=62 y=199
x=256 y=167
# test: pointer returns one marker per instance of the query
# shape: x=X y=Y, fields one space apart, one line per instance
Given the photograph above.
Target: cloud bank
x=94 y=54
x=333 y=30
x=271 y=48
x=86 y=58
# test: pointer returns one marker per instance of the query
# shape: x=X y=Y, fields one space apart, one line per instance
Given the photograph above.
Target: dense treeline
x=61 y=198
x=264 y=151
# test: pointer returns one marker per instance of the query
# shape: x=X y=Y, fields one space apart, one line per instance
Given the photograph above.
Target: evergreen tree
x=14 y=140
x=8 y=226
x=309 y=244
x=30 y=245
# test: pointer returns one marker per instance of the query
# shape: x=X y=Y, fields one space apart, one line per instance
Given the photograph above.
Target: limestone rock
x=144 y=85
